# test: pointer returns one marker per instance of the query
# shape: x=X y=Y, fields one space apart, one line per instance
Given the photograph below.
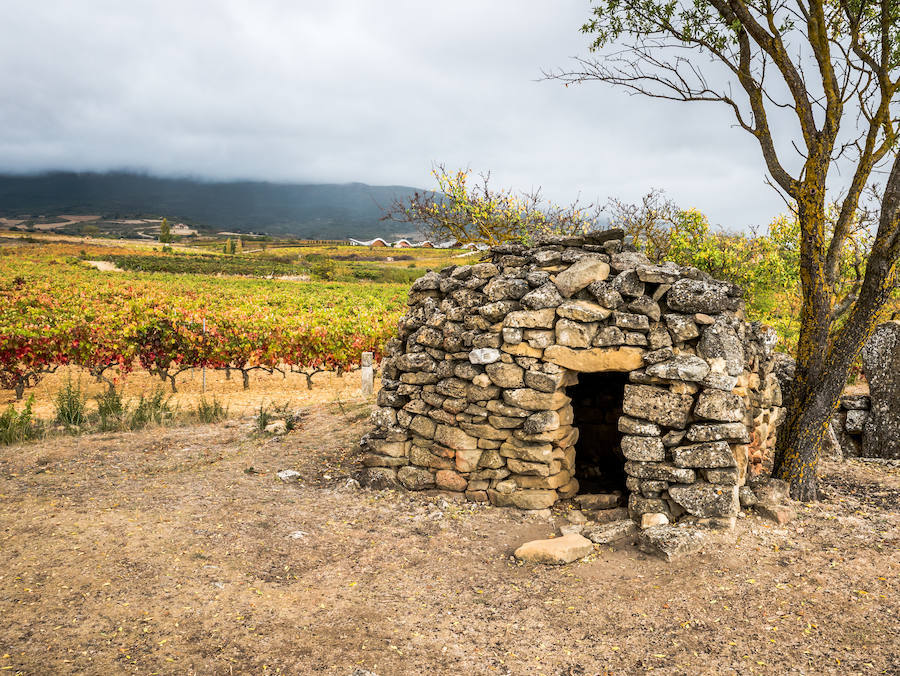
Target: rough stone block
x=544 y=297
x=704 y=499
x=682 y=367
x=657 y=405
x=595 y=359
x=532 y=400
x=454 y=438
x=415 y=478
x=505 y=375
x=467 y=460
x=659 y=471
x=645 y=449
x=719 y=405
x=671 y=542
x=449 y=480
x=609 y=533
x=555 y=551
x=582 y=311
x=594 y=501
x=694 y=295
x=634 y=426
x=484 y=355
x=705 y=455
x=534 y=499
x=581 y=274
x=716 y=431
x=531 y=319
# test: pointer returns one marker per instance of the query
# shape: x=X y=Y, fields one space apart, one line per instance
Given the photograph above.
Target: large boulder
x=881 y=363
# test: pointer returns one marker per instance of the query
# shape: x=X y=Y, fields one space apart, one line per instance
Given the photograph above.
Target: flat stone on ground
x=555 y=551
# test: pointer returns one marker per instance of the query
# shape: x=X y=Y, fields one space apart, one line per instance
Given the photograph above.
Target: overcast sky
x=343 y=90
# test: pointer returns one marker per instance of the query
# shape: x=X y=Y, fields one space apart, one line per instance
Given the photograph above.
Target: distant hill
x=303 y=210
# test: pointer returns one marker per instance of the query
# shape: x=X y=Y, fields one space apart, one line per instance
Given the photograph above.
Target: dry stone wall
x=869 y=425
x=475 y=394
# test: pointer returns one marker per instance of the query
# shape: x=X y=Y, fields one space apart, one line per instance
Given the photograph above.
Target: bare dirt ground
x=178 y=551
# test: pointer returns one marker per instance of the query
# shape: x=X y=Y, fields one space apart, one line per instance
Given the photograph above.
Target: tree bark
x=825 y=356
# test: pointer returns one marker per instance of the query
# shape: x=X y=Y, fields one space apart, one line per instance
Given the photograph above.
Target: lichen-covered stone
x=681 y=367
x=720 y=341
x=717 y=431
x=643 y=428
x=643 y=448
x=531 y=319
x=415 y=478
x=660 y=472
x=605 y=294
x=484 y=355
x=455 y=438
x=574 y=334
x=580 y=274
x=609 y=533
x=719 y=405
x=704 y=499
x=657 y=405
x=582 y=311
x=881 y=362
x=709 y=454
x=694 y=295
x=671 y=542
x=546 y=296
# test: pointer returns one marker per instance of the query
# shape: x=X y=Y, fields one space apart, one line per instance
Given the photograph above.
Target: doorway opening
x=597 y=405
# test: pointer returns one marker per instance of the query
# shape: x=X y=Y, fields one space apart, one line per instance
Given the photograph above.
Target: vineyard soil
x=178 y=551
x=264 y=389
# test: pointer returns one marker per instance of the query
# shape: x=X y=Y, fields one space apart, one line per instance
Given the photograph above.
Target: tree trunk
x=20 y=389
x=825 y=355
x=245 y=375
x=800 y=437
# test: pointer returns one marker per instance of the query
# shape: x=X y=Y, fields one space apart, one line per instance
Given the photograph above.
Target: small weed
x=155 y=409
x=18 y=426
x=263 y=418
x=70 y=404
x=211 y=411
x=111 y=410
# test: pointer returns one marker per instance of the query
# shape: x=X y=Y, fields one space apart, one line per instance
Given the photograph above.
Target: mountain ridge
x=315 y=210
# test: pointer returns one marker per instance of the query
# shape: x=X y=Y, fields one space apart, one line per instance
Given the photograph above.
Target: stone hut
x=576 y=365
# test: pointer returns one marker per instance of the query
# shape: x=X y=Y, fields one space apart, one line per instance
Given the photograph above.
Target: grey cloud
x=353 y=91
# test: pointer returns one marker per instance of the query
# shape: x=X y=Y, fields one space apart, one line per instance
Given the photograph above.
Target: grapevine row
x=54 y=312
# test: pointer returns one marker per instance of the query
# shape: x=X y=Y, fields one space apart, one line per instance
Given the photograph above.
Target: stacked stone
x=848 y=425
x=474 y=399
x=869 y=425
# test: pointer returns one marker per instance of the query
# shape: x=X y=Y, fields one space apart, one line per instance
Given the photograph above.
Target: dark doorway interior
x=597 y=403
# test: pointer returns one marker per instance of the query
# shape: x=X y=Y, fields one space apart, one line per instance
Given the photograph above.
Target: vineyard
x=56 y=311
